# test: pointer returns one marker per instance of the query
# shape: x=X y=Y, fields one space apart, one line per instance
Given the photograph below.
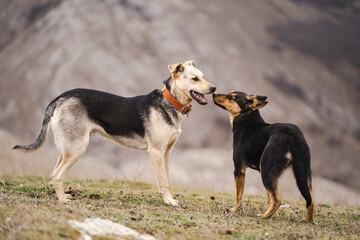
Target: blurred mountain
x=304 y=55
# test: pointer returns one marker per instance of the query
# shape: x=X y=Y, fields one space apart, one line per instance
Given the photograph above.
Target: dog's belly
x=254 y=166
x=133 y=141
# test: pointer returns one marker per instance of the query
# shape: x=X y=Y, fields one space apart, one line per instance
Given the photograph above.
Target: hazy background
x=303 y=54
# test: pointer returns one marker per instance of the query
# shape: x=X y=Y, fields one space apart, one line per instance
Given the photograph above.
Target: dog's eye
x=195 y=79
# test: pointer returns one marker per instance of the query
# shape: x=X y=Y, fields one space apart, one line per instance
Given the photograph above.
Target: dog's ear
x=190 y=63
x=258 y=97
x=176 y=68
x=261 y=98
x=256 y=101
x=257 y=104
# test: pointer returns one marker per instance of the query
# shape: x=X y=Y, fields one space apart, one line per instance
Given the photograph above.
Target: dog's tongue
x=200 y=97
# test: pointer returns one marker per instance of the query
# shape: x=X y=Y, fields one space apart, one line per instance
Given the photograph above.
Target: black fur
x=263 y=146
x=120 y=116
x=267 y=148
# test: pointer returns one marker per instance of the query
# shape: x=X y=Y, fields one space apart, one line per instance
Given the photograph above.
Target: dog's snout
x=212 y=89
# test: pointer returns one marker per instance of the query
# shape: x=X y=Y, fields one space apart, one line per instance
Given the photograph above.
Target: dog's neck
x=245 y=124
x=247 y=119
x=176 y=92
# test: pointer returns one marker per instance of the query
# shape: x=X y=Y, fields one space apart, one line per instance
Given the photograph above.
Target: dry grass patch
x=29 y=210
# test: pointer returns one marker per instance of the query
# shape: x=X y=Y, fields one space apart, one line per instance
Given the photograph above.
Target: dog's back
x=251 y=136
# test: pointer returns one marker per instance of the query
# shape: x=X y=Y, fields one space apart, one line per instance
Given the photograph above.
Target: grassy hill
x=29 y=210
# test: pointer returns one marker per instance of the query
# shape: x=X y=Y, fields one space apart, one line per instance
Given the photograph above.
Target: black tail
x=44 y=130
x=302 y=170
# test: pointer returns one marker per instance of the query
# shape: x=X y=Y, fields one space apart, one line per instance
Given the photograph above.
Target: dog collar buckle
x=186 y=110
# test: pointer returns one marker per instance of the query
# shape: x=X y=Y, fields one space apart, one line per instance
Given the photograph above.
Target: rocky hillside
x=302 y=54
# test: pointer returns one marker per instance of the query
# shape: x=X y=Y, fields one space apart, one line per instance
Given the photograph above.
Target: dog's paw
x=64 y=200
x=169 y=200
x=175 y=203
x=266 y=216
x=263 y=215
x=233 y=209
x=172 y=202
x=308 y=220
x=68 y=196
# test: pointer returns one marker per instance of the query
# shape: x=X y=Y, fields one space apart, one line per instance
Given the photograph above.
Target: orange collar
x=173 y=101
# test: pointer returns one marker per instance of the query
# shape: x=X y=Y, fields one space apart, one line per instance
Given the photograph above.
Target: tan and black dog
x=268 y=148
x=150 y=122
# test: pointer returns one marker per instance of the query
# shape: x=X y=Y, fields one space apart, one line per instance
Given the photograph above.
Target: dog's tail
x=302 y=170
x=44 y=130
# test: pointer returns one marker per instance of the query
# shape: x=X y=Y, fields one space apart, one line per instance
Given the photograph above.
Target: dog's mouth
x=215 y=99
x=218 y=104
x=200 y=98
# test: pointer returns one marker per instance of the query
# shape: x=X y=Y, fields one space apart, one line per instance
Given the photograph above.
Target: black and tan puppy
x=268 y=148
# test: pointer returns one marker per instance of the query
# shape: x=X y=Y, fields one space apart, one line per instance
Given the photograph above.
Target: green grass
x=29 y=210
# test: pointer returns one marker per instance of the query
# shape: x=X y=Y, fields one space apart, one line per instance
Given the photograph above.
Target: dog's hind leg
x=158 y=163
x=71 y=128
x=56 y=165
x=310 y=205
x=302 y=173
x=72 y=141
x=269 y=176
x=268 y=201
x=272 y=163
x=58 y=161
x=275 y=202
x=69 y=157
x=57 y=181
x=268 y=198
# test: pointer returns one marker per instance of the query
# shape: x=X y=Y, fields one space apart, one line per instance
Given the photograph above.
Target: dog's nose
x=212 y=89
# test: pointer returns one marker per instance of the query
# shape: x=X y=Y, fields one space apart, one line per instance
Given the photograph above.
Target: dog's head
x=190 y=81
x=239 y=103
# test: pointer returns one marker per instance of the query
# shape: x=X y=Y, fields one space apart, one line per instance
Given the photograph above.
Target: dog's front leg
x=239 y=185
x=158 y=163
x=167 y=156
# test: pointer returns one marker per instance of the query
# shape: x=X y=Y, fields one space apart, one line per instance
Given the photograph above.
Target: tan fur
x=273 y=204
x=310 y=210
x=183 y=83
x=172 y=67
x=288 y=155
x=239 y=190
x=230 y=106
x=258 y=104
x=233 y=108
x=190 y=63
